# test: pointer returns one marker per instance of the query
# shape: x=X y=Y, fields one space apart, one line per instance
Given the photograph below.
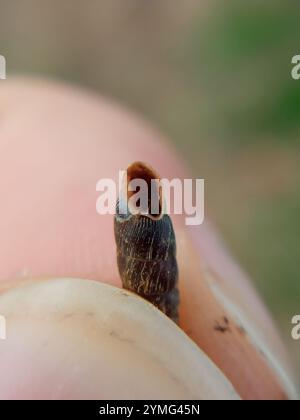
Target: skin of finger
x=57 y=142
x=115 y=335
x=221 y=335
x=231 y=281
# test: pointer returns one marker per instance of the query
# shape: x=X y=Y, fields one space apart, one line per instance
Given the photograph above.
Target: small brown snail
x=146 y=244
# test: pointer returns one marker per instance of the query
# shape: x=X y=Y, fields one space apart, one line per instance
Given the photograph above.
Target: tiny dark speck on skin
x=73 y=314
x=116 y=335
x=221 y=328
x=68 y=315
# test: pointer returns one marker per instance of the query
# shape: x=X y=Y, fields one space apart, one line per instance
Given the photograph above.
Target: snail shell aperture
x=146 y=249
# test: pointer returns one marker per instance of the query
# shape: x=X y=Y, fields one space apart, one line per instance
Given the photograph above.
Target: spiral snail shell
x=146 y=246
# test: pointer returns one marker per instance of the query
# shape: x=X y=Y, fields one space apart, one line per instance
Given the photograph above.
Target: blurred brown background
x=214 y=76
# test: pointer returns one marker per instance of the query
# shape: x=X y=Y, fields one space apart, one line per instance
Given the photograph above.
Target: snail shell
x=146 y=249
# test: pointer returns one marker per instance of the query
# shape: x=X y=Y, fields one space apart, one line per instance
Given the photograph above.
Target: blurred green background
x=213 y=75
